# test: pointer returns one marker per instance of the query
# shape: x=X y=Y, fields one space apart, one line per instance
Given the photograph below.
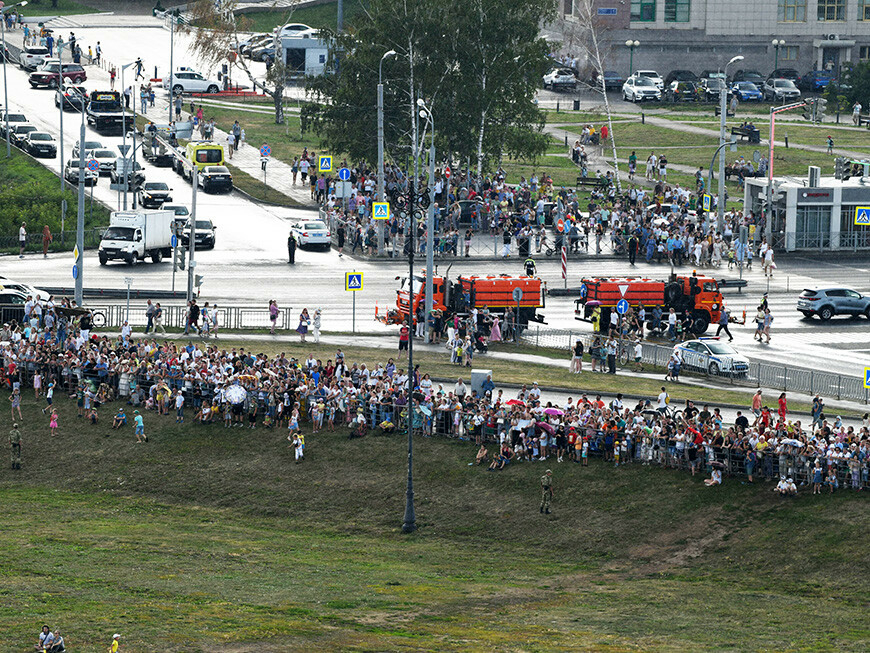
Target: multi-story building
x=704 y=34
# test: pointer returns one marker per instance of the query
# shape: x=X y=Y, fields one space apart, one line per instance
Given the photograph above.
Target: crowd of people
x=237 y=388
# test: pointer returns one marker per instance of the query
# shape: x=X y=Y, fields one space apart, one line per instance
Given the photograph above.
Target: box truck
x=134 y=235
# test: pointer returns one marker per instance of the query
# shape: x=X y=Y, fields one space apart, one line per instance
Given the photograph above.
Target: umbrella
x=546 y=427
x=792 y=442
x=553 y=411
x=515 y=402
x=426 y=411
x=236 y=394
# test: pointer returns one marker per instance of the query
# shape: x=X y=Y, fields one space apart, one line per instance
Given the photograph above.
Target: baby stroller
x=480 y=344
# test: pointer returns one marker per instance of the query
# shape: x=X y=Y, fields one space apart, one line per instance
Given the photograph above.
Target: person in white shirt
x=662 y=402
x=22 y=239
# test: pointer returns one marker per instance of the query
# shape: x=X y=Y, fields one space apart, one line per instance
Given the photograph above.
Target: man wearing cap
x=15 y=441
x=115 y=643
x=546 y=491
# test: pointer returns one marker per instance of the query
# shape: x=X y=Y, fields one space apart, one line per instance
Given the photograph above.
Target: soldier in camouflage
x=546 y=491
x=15 y=441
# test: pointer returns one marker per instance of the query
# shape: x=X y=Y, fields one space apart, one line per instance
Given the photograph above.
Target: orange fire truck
x=495 y=292
x=695 y=295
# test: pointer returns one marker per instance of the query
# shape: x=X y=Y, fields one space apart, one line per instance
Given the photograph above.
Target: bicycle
x=98 y=319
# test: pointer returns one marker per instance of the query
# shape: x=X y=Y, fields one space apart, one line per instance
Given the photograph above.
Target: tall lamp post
x=631 y=45
x=426 y=113
x=723 y=108
x=60 y=104
x=777 y=44
x=124 y=125
x=5 y=84
x=388 y=53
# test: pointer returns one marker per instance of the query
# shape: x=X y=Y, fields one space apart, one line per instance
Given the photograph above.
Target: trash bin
x=576 y=105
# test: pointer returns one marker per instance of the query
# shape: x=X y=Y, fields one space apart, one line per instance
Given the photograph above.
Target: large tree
x=476 y=64
x=216 y=32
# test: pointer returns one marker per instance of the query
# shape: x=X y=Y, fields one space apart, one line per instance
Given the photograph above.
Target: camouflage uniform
x=15 y=441
x=546 y=491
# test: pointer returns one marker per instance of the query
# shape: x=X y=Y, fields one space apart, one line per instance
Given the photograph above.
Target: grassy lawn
x=209 y=538
x=31 y=192
x=64 y=8
x=318 y=17
x=258 y=190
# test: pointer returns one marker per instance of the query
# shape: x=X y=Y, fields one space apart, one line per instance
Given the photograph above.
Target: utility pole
x=191 y=266
x=80 y=217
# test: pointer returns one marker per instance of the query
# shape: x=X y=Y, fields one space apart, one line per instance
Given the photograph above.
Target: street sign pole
x=518 y=296
x=353 y=324
x=129 y=282
x=194 y=176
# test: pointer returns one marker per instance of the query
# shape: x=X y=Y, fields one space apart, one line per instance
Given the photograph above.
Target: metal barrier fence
x=767 y=375
x=63 y=240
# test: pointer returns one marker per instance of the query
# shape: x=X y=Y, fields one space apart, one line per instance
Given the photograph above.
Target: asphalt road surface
x=249 y=264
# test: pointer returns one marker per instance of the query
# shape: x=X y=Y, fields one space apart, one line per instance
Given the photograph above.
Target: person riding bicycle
x=531 y=269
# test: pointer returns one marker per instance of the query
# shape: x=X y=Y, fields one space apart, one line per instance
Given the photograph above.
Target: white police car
x=711 y=356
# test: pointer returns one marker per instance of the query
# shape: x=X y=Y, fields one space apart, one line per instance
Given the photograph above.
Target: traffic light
x=808 y=108
x=821 y=106
x=197 y=280
x=179 y=257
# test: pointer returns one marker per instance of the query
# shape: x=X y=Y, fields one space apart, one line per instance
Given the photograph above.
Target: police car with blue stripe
x=712 y=356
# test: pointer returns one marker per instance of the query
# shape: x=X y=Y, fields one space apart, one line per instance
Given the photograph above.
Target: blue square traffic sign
x=862 y=215
x=381 y=210
x=353 y=281
x=867 y=377
x=325 y=164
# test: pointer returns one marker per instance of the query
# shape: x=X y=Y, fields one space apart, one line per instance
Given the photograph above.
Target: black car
x=751 y=76
x=136 y=176
x=710 y=88
x=205 y=237
x=73 y=97
x=11 y=305
x=154 y=194
x=40 y=144
x=19 y=132
x=613 y=80
x=680 y=76
x=71 y=173
x=682 y=92
x=786 y=73
x=215 y=178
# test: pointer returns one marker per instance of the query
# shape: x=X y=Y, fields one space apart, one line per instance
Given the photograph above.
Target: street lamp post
x=80 y=214
x=124 y=126
x=388 y=53
x=426 y=113
x=631 y=45
x=60 y=104
x=5 y=84
x=723 y=108
x=777 y=44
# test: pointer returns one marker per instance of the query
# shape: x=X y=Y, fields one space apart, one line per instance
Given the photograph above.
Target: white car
x=560 y=78
x=312 y=232
x=190 y=81
x=712 y=356
x=294 y=29
x=27 y=289
x=33 y=56
x=638 y=89
x=653 y=75
x=105 y=157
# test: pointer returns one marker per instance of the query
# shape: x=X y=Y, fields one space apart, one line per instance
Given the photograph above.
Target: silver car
x=828 y=302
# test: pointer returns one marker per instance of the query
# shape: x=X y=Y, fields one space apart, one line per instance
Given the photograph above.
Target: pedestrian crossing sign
x=381 y=210
x=862 y=215
x=353 y=281
x=867 y=377
x=707 y=200
x=325 y=164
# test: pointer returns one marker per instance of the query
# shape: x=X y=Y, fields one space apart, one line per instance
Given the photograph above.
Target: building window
x=677 y=11
x=851 y=235
x=789 y=53
x=832 y=10
x=813 y=227
x=863 y=9
x=643 y=10
x=864 y=53
x=792 y=11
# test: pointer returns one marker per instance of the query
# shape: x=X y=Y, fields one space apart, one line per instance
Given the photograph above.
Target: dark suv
x=787 y=73
x=50 y=75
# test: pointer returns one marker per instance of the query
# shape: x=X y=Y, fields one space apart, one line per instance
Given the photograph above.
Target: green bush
x=31 y=193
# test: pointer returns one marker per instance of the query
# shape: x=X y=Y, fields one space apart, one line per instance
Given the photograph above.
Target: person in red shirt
x=404 y=334
x=783 y=407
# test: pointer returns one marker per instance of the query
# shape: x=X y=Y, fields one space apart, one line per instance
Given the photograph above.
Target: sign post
x=565 y=265
x=129 y=282
x=353 y=282
x=518 y=296
x=265 y=152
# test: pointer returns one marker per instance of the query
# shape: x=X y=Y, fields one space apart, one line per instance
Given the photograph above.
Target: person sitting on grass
x=93 y=416
x=482 y=455
x=503 y=459
x=785 y=487
x=715 y=478
x=120 y=419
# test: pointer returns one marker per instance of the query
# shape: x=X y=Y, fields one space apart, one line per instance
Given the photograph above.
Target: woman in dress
x=495 y=331
x=273 y=316
x=304 y=321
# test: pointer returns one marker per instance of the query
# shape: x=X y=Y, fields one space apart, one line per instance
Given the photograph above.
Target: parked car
x=712 y=74
x=190 y=81
x=71 y=173
x=264 y=53
x=752 y=76
x=747 y=92
x=680 y=76
x=682 y=92
x=89 y=145
x=312 y=232
x=25 y=288
x=14 y=118
x=74 y=98
x=653 y=75
x=154 y=194
x=638 y=89
x=816 y=80
x=777 y=90
x=786 y=73
x=53 y=75
x=612 y=80
x=205 y=236
x=135 y=178
x=19 y=132
x=215 y=178
x=711 y=87
x=105 y=157
x=828 y=302
x=711 y=356
x=12 y=305
x=33 y=56
x=255 y=42
x=560 y=78
x=293 y=29
x=40 y=144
